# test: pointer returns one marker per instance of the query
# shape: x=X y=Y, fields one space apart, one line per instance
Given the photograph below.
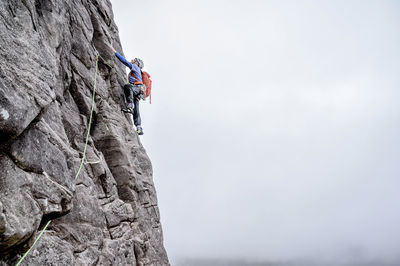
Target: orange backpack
x=147 y=82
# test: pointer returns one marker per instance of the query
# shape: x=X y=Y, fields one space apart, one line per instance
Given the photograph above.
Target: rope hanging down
x=82 y=161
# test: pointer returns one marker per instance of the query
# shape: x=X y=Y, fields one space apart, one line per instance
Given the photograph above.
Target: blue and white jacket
x=135 y=75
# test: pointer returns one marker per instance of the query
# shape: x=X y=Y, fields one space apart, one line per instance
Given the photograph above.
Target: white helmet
x=140 y=63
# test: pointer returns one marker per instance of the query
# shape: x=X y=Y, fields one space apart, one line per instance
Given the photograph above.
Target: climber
x=134 y=90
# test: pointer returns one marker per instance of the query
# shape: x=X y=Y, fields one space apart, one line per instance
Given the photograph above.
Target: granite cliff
x=108 y=215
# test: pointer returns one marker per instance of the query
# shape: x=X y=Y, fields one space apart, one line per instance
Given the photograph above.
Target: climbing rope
x=36 y=240
x=90 y=120
x=82 y=161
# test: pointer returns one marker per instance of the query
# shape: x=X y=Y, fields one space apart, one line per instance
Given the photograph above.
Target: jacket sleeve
x=123 y=60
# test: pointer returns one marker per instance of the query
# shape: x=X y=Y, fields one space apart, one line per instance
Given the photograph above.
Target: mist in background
x=274 y=126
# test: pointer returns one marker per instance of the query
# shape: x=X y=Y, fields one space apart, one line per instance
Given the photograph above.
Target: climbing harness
x=83 y=161
x=123 y=78
x=145 y=84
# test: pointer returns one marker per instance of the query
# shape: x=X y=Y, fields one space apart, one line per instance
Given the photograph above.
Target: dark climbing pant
x=132 y=94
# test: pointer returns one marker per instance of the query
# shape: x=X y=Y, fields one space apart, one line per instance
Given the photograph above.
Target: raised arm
x=120 y=57
x=123 y=60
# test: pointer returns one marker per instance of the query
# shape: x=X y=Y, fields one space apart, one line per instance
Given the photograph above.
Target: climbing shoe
x=139 y=130
x=128 y=108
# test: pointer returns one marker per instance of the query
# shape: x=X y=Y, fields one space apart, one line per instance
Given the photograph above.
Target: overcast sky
x=274 y=128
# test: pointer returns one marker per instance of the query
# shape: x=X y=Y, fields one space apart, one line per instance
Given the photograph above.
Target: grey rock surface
x=109 y=214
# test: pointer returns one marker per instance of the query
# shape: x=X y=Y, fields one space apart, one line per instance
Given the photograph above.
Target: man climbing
x=134 y=90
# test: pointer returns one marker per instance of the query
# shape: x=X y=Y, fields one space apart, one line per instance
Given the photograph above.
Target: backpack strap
x=137 y=82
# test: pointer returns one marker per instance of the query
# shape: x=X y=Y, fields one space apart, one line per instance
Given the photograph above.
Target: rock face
x=109 y=214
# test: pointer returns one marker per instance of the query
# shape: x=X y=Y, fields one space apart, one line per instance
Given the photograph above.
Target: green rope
x=37 y=238
x=90 y=121
x=82 y=161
